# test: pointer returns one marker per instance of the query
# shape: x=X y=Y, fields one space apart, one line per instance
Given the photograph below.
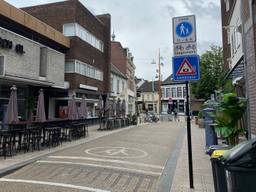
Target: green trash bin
x=240 y=167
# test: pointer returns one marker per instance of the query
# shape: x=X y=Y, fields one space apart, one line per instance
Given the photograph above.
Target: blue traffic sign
x=186 y=68
x=184 y=29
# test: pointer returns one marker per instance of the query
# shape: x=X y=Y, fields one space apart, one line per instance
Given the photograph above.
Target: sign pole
x=190 y=161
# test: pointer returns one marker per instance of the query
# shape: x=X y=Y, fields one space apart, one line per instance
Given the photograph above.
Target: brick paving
x=15 y=160
x=203 y=181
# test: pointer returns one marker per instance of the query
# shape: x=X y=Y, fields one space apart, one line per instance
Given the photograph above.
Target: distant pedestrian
x=175 y=111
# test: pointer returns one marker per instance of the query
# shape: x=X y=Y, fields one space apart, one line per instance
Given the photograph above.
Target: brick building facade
x=122 y=59
x=87 y=68
x=246 y=10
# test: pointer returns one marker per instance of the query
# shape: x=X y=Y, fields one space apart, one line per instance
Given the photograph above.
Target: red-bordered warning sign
x=186 y=68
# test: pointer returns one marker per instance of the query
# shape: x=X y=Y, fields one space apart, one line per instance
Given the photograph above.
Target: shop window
x=1 y=65
x=43 y=62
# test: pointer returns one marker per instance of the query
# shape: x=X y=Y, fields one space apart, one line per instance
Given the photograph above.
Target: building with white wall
x=173 y=95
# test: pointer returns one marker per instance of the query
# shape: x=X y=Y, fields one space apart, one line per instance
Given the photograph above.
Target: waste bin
x=218 y=169
x=240 y=167
x=213 y=148
x=210 y=135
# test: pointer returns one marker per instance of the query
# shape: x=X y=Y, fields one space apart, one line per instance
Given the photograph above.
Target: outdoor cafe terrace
x=24 y=136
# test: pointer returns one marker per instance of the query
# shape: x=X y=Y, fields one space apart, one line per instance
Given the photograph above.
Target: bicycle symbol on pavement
x=116 y=152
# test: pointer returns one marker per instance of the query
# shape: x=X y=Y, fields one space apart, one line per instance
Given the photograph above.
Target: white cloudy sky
x=145 y=26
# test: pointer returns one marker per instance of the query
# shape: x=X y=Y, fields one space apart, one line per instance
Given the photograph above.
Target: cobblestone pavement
x=203 y=181
x=129 y=160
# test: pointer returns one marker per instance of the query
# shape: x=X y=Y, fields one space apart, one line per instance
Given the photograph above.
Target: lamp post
x=158 y=75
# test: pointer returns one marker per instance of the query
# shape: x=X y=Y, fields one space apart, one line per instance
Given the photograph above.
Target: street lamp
x=158 y=76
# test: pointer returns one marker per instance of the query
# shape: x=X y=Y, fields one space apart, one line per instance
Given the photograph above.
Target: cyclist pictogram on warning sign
x=186 y=68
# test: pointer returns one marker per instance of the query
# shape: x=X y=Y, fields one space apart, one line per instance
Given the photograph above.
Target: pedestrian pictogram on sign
x=186 y=68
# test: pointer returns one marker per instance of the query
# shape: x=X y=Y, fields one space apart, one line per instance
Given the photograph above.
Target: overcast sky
x=145 y=26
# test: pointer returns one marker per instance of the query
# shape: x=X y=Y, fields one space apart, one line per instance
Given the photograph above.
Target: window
x=228 y=36
x=69 y=29
x=122 y=85
x=184 y=92
x=83 y=69
x=150 y=107
x=74 y=29
x=43 y=62
x=112 y=81
x=117 y=87
x=174 y=93
x=1 y=65
x=163 y=92
x=227 y=5
x=168 y=92
x=179 y=92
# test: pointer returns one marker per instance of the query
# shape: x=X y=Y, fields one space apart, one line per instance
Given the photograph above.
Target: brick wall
x=118 y=57
x=249 y=40
x=57 y=14
x=226 y=47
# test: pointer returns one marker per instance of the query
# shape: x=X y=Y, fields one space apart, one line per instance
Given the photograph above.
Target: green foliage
x=228 y=87
x=200 y=115
x=229 y=112
x=212 y=73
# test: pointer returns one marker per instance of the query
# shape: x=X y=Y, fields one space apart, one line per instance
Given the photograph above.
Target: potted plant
x=200 y=120
x=230 y=110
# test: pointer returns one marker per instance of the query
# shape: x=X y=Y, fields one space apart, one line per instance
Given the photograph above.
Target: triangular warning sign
x=186 y=68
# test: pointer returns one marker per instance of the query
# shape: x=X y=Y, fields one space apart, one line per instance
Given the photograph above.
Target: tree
x=212 y=73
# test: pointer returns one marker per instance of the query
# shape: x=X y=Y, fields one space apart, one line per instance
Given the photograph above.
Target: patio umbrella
x=118 y=107
x=100 y=105
x=72 y=110
x=12 y=108
x=123 y=108
x=114 y=107
x=83 y=109
x=40 y=110
x=107 y=106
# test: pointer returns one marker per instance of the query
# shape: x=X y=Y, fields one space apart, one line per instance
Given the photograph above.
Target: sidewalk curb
x=7 y=170
x=166 y=179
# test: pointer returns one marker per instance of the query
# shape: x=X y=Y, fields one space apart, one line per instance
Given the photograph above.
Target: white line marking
x=113 y=151
x=53 y=184
x=105 y=166
x=107 y=160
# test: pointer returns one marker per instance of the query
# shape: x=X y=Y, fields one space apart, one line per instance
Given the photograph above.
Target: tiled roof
x=117 y=72
x=169 y=81
x=147 y=86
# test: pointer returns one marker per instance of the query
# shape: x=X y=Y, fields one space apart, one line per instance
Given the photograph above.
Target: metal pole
x=153 y=98
x=159 y=81
x=190 y=161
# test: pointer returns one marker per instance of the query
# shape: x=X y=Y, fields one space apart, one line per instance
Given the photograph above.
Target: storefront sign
x=7 y=44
